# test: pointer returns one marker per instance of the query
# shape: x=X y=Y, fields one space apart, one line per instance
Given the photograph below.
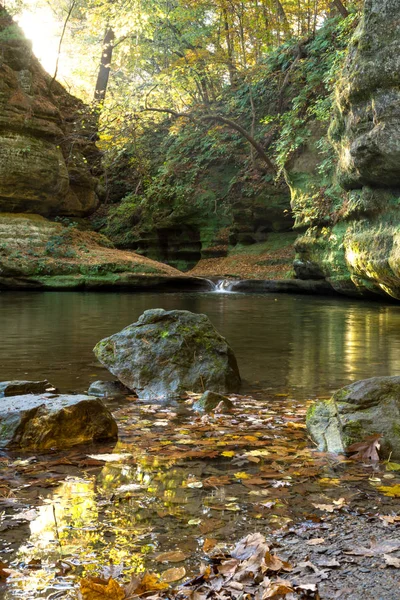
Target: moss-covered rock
x=209 y=402
x=166 y=353
x=38 y=253
x=359 y=410
x=46 y=421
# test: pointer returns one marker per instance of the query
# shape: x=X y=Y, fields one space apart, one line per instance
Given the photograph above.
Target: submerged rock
x=357 y=411
x=166 y=353
x=16 y=388
x=210 y=400
x=45 y=421
x=110 y=389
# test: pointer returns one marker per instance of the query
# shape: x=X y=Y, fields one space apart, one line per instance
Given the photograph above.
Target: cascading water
x=224 y=286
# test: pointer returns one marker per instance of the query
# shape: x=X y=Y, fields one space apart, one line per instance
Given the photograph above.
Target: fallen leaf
x=176 y=556
x=336 y=505
x=376 y=548
x=392 y=491
x=392 y=561
x=4 y=573
x=95 y=588
x=315 y=541
x=251 y=544
x=209 y=544
x=390 y=519
x=148 y=583
x=110 y=457
x=274 y=563
x=174 y=574
x=392 y=466
x=367 y=449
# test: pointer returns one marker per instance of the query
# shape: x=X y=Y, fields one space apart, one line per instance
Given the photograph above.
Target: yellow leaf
x=149 y=583
x=95 y=588
x=392 y=466
x=242 y=475
x=393 y=491
x=228 y=453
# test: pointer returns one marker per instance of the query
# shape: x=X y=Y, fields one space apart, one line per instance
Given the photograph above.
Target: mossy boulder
x=209 y=402
x=45 y=421
x=357 y=411
x=166 y=353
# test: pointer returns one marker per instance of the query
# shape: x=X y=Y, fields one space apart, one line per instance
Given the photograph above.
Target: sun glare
x=43 y=30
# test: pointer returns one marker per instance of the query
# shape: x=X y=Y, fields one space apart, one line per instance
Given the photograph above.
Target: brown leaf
x=278 y=589
x=274 y=563
x=376 y=548
x=95 y=588
x=4 y=573
x=210 y=525
x=254 y=543
x=228 y=567
x=173 y=557
x=209 y=544
x=173 y=574
x=337 y=505
x=367 y=449
x=315 y=541
x=390 y=519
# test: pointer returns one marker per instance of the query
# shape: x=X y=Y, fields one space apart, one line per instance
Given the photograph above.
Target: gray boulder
x=357 y=411
x=107 y=389
x=44 y=421
x=209 y=402
x=166 y=353
x=14 y=388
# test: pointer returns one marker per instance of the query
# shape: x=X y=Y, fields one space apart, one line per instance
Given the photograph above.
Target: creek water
x=311 y=344
x=177 y=480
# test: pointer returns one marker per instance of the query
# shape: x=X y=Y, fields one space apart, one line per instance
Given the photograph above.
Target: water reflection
x=311 y=344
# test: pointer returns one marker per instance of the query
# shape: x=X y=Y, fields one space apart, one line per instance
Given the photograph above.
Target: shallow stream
x=177 y=482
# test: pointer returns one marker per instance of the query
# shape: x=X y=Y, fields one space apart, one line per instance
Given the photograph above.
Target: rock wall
x=44 y=151
x=355 y=243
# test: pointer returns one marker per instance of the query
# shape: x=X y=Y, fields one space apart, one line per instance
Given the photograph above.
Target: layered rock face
x=357 y=248
x=44 y=154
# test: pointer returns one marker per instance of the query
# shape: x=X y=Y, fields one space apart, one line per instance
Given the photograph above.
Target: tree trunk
x=229 y=44
x=341 y=8
x=105 y=66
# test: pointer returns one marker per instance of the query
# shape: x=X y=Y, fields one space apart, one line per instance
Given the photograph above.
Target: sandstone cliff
x=48 y=165
x=357 y=246
x=44 y=151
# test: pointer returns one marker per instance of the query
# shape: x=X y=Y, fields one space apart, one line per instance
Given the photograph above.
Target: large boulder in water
x=166 y=353
x=44 y=421
x=359 y=410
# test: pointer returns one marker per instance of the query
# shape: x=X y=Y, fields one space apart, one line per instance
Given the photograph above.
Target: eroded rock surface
x=357 y=411
x=15 y=388
x=166 y=353
x=44 y=150
x=45 y=421
x=354 y=241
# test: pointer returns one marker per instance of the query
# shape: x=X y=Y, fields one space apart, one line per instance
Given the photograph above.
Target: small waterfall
x=224 y=286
